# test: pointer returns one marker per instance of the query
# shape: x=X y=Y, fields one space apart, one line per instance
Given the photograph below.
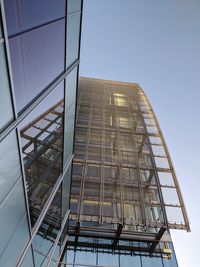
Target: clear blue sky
x=156 y=43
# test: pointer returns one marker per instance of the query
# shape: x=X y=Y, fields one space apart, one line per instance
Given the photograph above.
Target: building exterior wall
x=124 y=195
x=39 y=61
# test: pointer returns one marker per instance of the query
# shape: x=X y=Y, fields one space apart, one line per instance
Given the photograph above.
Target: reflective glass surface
x=66 y=191
x=6 y=110
x=1 y=33
x=25 y=14
x=69 y=133
x=44 y=240
x=151 y=262
x=20 y=238
x=37 y=58
x=12 y=211
x=70 y=90
x=10 y=170
x=73 y=31
x=28 y=260
x=73 y=5
x=108 y=259
x=42 y=148
x=129 y=261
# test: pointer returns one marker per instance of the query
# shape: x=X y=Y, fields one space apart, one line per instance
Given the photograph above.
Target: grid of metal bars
x=123 y=184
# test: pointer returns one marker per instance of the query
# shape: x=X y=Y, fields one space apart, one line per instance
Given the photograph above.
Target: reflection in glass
x=44 y=240
x=10 y=170
x=25 y=14
x=129 y=261
x=42 y=147
x=37 y=58
x=151 y=262
x=6 y=110
x=108 y=259
x=66 y=191
x=73 y=29
x=12 y=212
x=69 y=133
x=73 y=5
x=20 y=238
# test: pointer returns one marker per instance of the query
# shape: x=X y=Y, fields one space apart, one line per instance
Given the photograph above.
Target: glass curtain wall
x=39 y=58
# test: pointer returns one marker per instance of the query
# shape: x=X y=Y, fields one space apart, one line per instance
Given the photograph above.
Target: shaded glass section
x=37 y=58
x=26 y=14
x=6 y=110
x=66 y=191
x=130 y=261
x=12 y=212
x=42 y=148
x=73 y=34
x=20 y=237
x=73 y=5
x=44 y=240
x=10 y=170
x=1 y=33
x=69 y=133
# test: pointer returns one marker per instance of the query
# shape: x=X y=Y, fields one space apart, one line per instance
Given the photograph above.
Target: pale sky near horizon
x=156 y=43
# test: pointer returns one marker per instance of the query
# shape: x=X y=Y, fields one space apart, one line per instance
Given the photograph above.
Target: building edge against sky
x=39 y=50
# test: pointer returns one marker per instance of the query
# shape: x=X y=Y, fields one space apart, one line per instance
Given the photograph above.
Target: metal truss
x=123 y=186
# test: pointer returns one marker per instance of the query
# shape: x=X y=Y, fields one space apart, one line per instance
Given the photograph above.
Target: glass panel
x=11 y=213
x=70 y=94
x=170 y=262
x=83 y=257
x=20 y=238
x=42 y=147
x=27 y=14
x=44 y=240
x=129 y=261
x=73 y=32
x=108 y=259
x=73 y=5
x=151 y=262
x=69 y=133
x=37 y=58
x=1 y=33
x=66 y=191
x=28 y=260
x=5 y=97
x=10 y=169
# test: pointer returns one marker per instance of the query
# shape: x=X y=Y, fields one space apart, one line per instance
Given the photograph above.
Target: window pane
x=108 y=259
x=42 y=147
x=1 y=33
x=151 y=262
x=73 y=5
x=25 y=14
x=11 y=213
x=66 y=191
x=28 y=260
x=10 y=169
x=69 y=133
x=44 y=240
x=71 y=82
x=129 y=261
x=73 y=32
x=37 y=58
x=20 y=238
x=5 y=98
x=83 y=257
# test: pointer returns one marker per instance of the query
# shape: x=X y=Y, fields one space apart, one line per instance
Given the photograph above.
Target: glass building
x=39 y=63
x=116 y=202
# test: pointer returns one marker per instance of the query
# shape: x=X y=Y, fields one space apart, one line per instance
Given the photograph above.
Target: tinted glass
x=129 y=261
x=151 y=262
x=44 y=240
x=73 y=5
x=1 y=34
x=25 y=14
x=5 y=98
x=9 y=164
x=69 y=133
x=73 y=32
x=37 y=58
x=20 y=238
x=28 y=260
x=83 y=257
x=108 y=259
x=66 y=191
x=12 y=211
x=70 y=91
x=42 y=148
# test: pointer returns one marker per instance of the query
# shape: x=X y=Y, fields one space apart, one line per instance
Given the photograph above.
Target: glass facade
x=114 y=212
x=39 y=40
